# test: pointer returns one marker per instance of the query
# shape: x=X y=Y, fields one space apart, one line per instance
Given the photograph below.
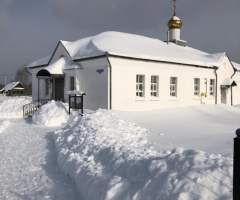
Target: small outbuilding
x=13 y=89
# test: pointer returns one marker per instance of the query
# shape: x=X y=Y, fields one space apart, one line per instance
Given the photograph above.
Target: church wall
x=124 y=73
x=68 y=73
x=236 y=89
x=225 y=71
x=87 y=79
x=94 y=84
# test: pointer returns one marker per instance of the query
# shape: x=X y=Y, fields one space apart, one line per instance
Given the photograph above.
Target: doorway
x=224 y=95
x=59 y=89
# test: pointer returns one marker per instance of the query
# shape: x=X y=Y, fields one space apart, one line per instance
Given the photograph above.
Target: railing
x=31 y=108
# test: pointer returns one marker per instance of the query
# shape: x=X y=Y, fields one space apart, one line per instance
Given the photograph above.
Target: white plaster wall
x=60 y=51
x=76 y=74
x=124 y=73
x=225 y=71
x=95 y=85
x=236 y=89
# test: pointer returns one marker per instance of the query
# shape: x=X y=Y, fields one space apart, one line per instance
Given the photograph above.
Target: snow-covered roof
x=43 y=61
x=82 y=48
x=227 y=81
x=136 y=46
x=236 y=65
x=75 y=92
x=64 y=64
x=10 y=86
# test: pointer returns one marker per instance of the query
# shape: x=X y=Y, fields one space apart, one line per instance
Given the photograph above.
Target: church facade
x=122 y=71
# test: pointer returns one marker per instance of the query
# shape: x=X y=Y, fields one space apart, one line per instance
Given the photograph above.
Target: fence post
x=69 y=103
x=236 y=166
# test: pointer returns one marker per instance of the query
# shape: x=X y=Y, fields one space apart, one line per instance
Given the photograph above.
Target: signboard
x=100 y=71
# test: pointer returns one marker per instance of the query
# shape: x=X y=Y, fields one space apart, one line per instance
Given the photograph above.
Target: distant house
x=13 y=89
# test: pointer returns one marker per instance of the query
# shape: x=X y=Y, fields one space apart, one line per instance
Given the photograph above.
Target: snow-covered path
x=28 y=165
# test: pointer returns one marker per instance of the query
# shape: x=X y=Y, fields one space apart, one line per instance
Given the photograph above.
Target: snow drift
x=53 y=113
x=13 y=108
x=109 y=158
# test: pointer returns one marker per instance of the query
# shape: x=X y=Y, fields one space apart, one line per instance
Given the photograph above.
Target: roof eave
x=162 y=61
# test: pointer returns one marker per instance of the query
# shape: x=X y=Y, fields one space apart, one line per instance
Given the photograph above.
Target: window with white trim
x=196 y=86
x=173 y=86
x=211 y=87
x=154 y=86
x=71 y=85
x=140 y=85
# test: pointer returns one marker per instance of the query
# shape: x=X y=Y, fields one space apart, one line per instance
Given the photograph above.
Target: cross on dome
x=175 y=6
x=174 y=22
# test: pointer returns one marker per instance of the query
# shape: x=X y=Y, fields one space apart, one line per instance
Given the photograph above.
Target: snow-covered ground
x=4 y=98
x=168 y=154
x=28 y=163
x=210 y=128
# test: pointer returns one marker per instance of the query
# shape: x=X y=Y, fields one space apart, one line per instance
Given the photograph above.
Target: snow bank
x=109 y=158
x=13 y=108
x=54 y=113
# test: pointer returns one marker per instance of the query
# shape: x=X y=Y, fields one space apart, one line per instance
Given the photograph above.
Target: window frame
x=196 y=84
x=212 y=87
x=140 y=86
x=173 y=85
x=154 y=86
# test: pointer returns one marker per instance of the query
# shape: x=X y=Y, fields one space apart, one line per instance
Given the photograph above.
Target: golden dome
x=174 y=22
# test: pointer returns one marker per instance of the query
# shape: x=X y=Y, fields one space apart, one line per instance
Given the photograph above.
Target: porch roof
x=57 y=67
x=228 y=82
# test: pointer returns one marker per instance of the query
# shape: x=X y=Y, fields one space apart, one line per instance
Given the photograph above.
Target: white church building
x=121 y=71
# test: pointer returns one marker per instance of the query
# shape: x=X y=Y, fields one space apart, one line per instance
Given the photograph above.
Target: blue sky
x=30 y=29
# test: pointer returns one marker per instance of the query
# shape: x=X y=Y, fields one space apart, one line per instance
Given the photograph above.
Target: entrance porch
x=53 y=84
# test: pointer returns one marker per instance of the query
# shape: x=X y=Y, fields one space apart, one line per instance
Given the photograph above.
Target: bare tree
x=1 y=86
x=23 y=77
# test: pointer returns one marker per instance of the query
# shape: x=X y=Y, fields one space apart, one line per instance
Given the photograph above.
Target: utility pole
x=5 y=84
x=5 y=81
x=5 y=78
